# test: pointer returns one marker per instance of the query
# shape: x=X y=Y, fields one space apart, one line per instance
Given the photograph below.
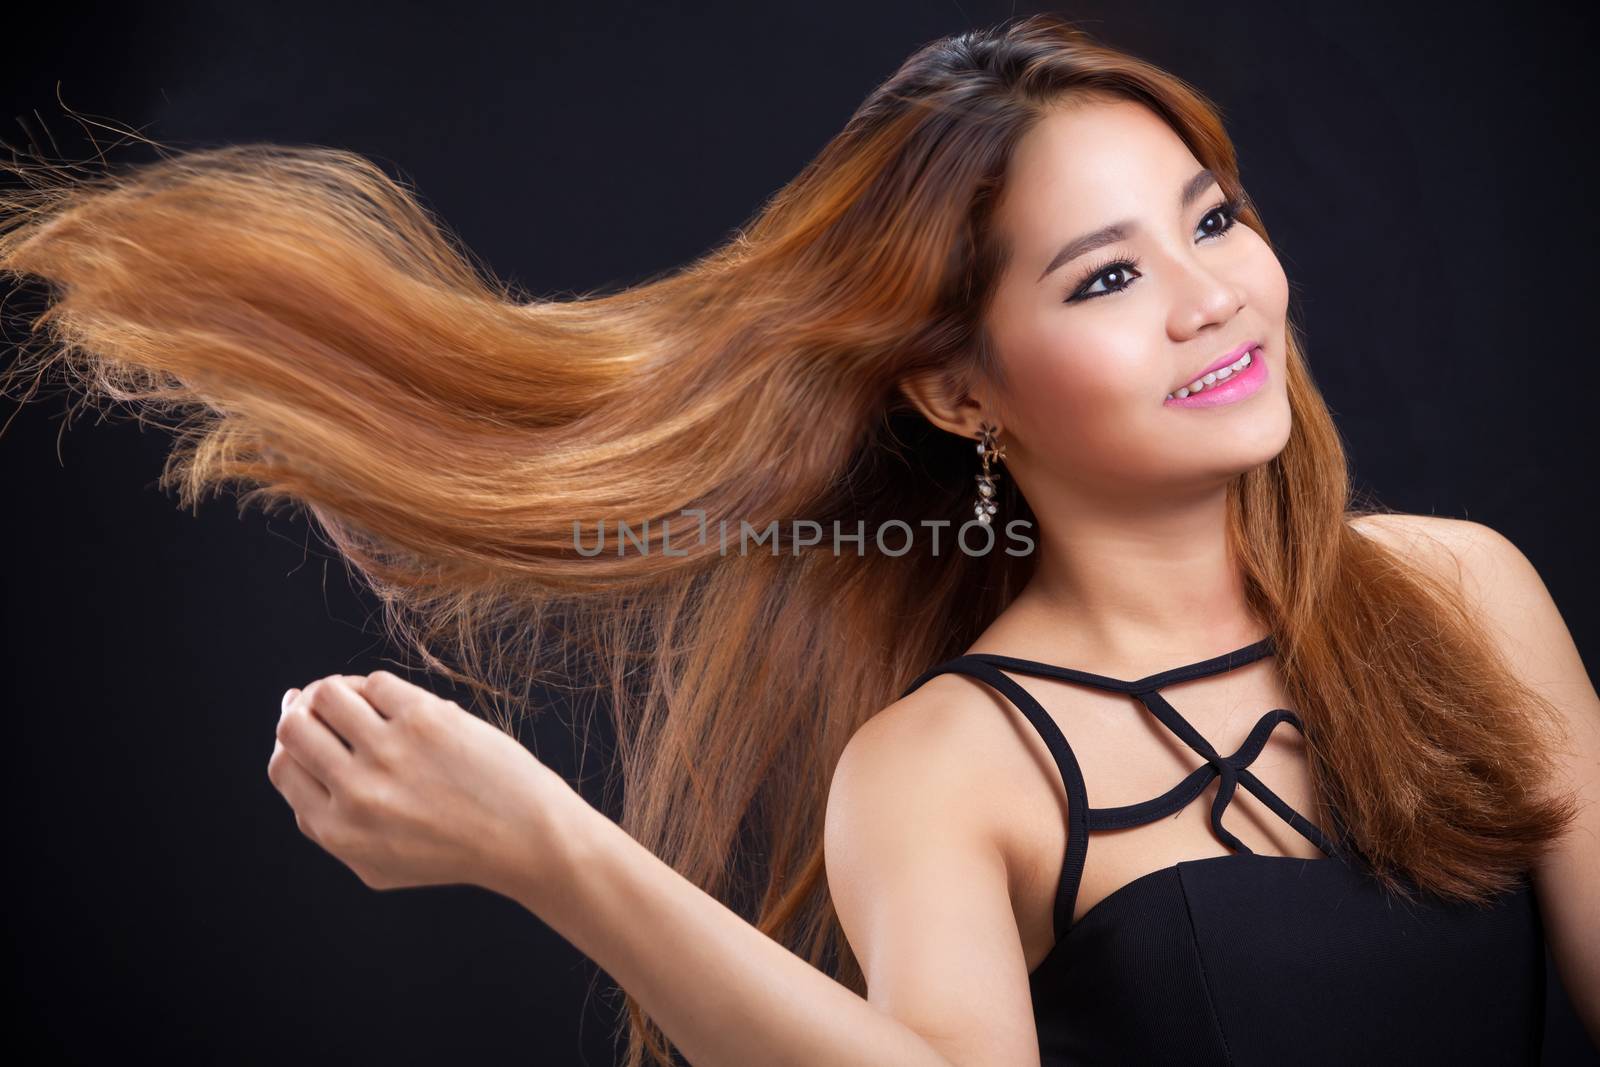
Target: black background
x=1419 y=168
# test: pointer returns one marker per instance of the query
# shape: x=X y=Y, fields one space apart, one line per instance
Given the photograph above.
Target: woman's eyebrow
x=1119 y=231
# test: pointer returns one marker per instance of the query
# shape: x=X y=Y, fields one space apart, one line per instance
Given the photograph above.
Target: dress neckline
x=1219 y=664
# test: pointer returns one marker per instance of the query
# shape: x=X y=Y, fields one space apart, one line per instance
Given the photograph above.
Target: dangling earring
x=985 y=507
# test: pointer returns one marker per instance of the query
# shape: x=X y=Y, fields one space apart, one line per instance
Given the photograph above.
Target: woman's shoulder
x=1506 y=593
x=1479 y=559
x=932 y=730
x=943 y=749
x=1431 y=539
x=1499 y=582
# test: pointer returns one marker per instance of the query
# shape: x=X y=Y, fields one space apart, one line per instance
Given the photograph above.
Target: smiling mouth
x=1218 y=377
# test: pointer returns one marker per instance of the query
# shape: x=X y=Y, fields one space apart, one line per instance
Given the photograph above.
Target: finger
x=341 y=706
x=288 y=776
x=392 y=695
x=310 y=739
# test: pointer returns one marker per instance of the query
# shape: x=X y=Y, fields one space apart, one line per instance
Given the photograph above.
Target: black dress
x=1262 y=959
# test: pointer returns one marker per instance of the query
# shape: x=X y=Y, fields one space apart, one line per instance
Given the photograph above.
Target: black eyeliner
x=1230 y=207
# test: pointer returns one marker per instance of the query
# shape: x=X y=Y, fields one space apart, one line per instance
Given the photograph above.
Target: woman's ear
x=946 y=403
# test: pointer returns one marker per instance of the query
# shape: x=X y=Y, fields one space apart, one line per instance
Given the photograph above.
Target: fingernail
x=289 y=695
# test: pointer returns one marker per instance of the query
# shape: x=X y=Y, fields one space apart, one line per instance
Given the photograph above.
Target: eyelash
x=1230 y=208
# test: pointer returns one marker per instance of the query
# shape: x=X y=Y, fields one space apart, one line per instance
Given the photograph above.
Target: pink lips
x=1236 y=387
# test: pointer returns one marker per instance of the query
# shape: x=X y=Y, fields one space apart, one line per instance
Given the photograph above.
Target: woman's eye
x=1227 y=213
x=1119 y=274
x=1116 y=276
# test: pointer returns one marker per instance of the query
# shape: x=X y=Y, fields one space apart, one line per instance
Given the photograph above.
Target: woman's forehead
x=1089 y=164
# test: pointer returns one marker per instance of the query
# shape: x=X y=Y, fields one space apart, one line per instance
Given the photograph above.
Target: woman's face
x=1094 y=343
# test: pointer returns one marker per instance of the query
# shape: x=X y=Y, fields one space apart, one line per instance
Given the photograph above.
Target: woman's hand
x=408 y=789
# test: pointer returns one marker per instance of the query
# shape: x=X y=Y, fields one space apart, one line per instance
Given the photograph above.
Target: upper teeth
x=1212 y=377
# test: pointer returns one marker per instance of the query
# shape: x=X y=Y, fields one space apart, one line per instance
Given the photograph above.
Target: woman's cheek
x=1269 y=284
x=1087 y=409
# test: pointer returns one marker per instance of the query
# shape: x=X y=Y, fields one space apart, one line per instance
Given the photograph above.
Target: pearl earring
x=985 y=506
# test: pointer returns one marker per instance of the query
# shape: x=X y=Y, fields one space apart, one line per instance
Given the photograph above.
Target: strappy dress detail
x=1084 y=818
x=1230 y=959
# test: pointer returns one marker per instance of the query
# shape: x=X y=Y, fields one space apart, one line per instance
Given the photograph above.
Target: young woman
x=1197 y=763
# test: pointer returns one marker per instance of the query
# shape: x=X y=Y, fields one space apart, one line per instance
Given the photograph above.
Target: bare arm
x=942 y=942
x=1533 y=636
x=723 y=991
x=408 y=789
x=1521 y=615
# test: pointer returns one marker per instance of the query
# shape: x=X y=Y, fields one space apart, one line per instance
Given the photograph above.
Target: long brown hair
x=319 y=338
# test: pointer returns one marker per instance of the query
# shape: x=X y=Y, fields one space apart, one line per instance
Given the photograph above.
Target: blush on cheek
x=1093 y=413
x=1078 y=378
x=1091 y=389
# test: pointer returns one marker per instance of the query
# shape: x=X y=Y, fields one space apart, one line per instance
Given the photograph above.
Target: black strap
x=1078 y=811
x=1215 y=665
x=1233 y=770
x=1081 y=818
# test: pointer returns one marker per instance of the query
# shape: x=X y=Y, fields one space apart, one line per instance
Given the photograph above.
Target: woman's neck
x=1126 y=587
